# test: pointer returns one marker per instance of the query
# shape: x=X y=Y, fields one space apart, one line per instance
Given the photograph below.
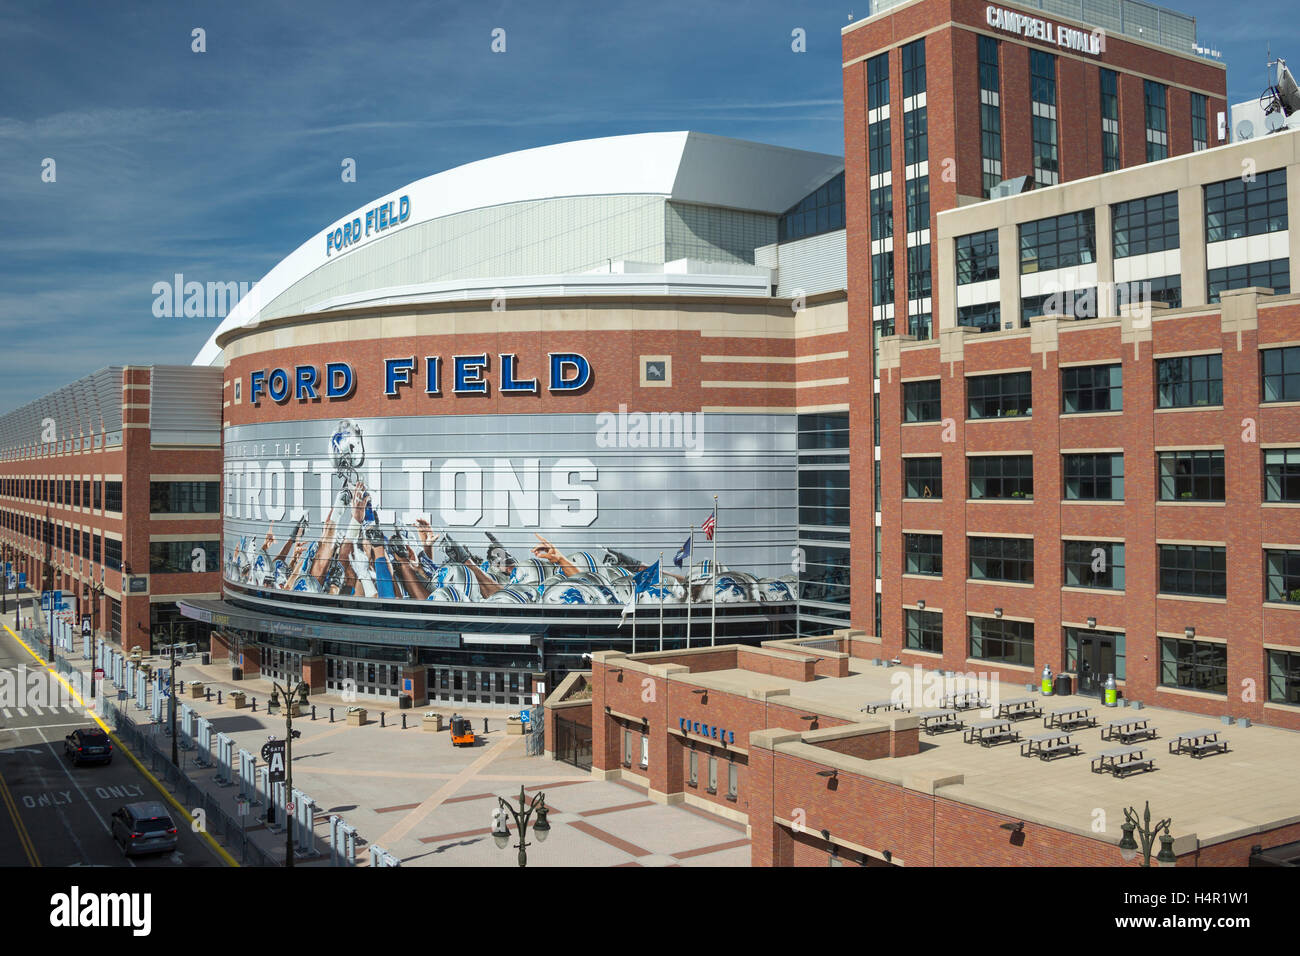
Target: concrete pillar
x=313 y=672
x=1009 y=273
x=1191 y=243
x=1105 y=262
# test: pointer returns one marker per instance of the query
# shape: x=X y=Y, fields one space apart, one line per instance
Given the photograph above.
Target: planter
x=196 y=689
x=514 y=726
x=356 y=718
x=238 y=700
x=432 y=723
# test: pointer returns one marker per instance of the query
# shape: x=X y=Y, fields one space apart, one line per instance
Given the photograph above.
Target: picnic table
x=1069 y=718
x=989 y=732
x=1198 y=743
x=964 y=700
x=1128 y=729
x=1122 y=761
x=888 y=703
x=1019 y=708
x=1049 y=746
x=940 y=721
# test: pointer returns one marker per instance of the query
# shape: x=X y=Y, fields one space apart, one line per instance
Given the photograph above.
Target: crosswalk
x=32 y=710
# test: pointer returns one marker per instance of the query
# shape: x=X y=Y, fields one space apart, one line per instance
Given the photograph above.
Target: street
x=55 y=814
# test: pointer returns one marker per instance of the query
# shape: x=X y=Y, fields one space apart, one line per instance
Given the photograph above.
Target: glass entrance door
x=1096 y=660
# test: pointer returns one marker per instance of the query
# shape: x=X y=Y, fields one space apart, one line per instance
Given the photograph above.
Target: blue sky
x=217 y=164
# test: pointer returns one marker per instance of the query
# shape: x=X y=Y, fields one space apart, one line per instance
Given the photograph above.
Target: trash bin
x=236 y=673
x=1065 y=684
x=207 y=658
x=403 y=701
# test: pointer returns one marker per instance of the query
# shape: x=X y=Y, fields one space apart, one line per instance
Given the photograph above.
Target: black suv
x=88 y=745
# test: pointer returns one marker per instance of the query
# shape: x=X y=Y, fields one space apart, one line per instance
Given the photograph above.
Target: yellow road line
x=166 y=794
x=23 y=836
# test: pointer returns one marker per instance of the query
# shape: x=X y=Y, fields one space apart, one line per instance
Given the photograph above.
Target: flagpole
x=634 y=597
x=690 y=576
x=661 y=600
x=713 y=624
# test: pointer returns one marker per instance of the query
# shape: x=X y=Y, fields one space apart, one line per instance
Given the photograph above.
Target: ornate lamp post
x=1128 y=847
x=300 y=690
x=501 y=831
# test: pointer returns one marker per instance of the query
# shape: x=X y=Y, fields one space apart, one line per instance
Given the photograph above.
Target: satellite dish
x=1245 y=129
x=1274 y=122
x=1287 y=91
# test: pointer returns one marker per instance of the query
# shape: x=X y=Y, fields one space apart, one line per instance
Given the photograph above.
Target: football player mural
x=357 y=556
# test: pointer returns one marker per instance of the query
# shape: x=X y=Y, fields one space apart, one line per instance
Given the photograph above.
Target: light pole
x=94 y=595
x=501 y=831
x=1128 y=847
x=300 y=690
x=170 y=631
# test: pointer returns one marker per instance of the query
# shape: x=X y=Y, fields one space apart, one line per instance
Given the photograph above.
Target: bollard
x=218 y=698
x=254 y=705
x=485 y=730
x=381 y=719
x=331 y=715
x=209 y=695
x=182 y=683
x=313 y=711
x=403 y=721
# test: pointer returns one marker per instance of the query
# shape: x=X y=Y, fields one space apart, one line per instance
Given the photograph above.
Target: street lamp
x=300 y=690
x=501 y=831
x=97 y=590
x=1128 y=847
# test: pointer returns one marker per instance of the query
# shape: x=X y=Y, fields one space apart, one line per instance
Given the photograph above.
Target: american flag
x=710 y=523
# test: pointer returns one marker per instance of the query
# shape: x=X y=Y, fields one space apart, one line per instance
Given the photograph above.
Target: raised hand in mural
x=550 y=554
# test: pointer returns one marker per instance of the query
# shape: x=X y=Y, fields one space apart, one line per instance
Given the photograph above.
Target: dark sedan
x=88 y=745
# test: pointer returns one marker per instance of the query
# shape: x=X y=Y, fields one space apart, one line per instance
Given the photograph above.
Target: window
x=1283 y=677
x=1194 y=665
x=1191 y=475
x=917 y=195
x=713 y=774
x=921 y=401
x=76 y=493
x=1002 y=559
x=1274 y=274
x=112 y=554
x=693 y=774
x=113 y=496
x=923 y=631
x=1073 y=636
x=1002 y=476
x=913 y=55
x=977 y=257
x=733 y=780
x=1094 y=477
x=1003 y=641
x=1236 y=207
x=1199 y=570
x=918 y=325
x=877 y=81
x=882 y=212
x=645 y=751
x=67 y=493
x=1157 y=121
x=627 y=748
x=986 y=316
x=1092 y=388
x=990 y=114
x=184 y=497
x=1281 y=374
x=1094 y=564
x=820 y=211
x=918 y=271
x=1200 y=124
x=999 y=396
x=923 y=554
x=1282 y=576
x=1145 y=225
x=172 y=557
x=1282 y=474
x=879 y=157
x=1109 y=121
x=1189 y=380
x=1058 y=242
x=882 y=278
x=1167 y=289
x=923 y=477
x=1042 y=80
x=99 y=500
x=916 y=137
x=824 y=496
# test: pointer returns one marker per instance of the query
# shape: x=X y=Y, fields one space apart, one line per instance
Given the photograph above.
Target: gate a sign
x=273 y=754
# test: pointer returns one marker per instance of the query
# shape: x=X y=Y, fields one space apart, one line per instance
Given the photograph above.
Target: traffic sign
x=241 y=806
x=288 y=807
x=45 y=600
x=22 y=580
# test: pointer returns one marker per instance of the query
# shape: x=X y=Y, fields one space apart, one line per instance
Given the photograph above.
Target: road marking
x=23 y=836
x=64 y=767
x=21 y=712
x=7 y=714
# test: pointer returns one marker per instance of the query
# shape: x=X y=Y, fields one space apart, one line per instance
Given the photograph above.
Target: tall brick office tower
x=943 y=99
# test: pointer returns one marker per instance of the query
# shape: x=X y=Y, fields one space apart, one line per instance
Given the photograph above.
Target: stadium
x=583 y=396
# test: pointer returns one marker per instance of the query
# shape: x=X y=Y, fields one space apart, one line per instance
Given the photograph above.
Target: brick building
x=110 y=491
x=817 y=745
x=944 y=99
x=1112 y=489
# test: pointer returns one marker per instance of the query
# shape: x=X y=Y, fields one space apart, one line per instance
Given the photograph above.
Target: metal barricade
x=343 y=843
x=381 y=857
x=185 y=728
x=225 y=761
x=141 y=689
x=203 y=742
x=304 y=820
x=248 y=776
